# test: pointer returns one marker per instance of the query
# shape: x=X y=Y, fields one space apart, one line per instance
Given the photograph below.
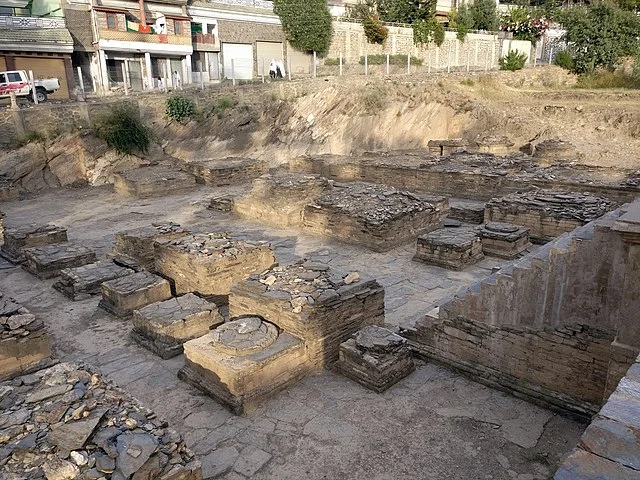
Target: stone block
x=448 y=146
x=376 y=358
x=122 y=296
x=48 y=260
x=244 y=361
x=163 y=327
x=581 y=465
x=226 y=171
x=451 y=248
x=80 y=283
x=467 y=211
x=17 y=239
x=152 y=181
x=504 y=240
x=375 y=216
x=306 y=299
x=495 y=145
x=134 y=248
x=209 y=263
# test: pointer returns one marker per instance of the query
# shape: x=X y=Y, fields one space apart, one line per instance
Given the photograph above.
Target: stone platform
x=447 y=146
x=152 y=181
x=209 y=263
x=24 y=343
x=47 y=261
x=322 y=307
x=280 y=199
x=244 y=361
x=452 y=248
x=226 y=171
x=495 y=145
x=134 y=248
x=372 y=215
x=122 y=296
x=376 y=358
x=504 y=240
x=17 y=239
x=67 y=422
x=80 y=283
x=546 y=213
x=467 y=211
x=163 y=327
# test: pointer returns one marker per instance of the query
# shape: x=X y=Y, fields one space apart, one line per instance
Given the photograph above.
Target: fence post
x=315 y=61
x=493 y=52
x=33 y=87
x=263 y=70
x=429 y=61
x=289 y=65
x=409 y=63
x=486 y=61
x=366 y=63
x=387 y=64
x=233 y=73
x=468 y=58
x=449 y=59
x=124 y=79
x=550 y=55
x=201 y=75
x=475 y=62
x=81 y=82
x=340 y=63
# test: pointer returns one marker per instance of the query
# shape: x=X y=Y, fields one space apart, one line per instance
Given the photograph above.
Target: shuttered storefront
x=46 y=68
x=300 y=62
x=267 y=51
x=242 y=56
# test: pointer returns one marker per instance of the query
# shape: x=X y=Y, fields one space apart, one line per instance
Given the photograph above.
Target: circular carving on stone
x=501 y=227
x=244 y=336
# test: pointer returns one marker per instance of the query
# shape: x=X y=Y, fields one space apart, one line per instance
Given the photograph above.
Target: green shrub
x=30 y=137
x=123 y=130
x=373 y=101
x=381 y=59
x=374 y=30
x=179 y=109
x=334 y=62
x=467 y=82
x=222 y=104
x=428 y=31
x=564 y=59
x=513 y=61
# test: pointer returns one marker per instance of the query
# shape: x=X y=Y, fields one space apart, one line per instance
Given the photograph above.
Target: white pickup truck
x=17 y=81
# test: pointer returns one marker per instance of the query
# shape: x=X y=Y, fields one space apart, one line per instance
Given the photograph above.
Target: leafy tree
x=406 y=11
x=307 y=23
x=484 y=15
x=374 y=30
x=463 y=22
x=427 y=31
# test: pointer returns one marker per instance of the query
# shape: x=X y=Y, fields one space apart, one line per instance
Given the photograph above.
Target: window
x=112 y=21
x=177 y=27
x=14 y=77
x=3 y=79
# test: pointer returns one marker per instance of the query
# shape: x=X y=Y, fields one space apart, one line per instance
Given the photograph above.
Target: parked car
x=17 y=81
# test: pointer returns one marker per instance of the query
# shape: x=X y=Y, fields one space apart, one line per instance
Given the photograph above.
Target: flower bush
x=525 y=24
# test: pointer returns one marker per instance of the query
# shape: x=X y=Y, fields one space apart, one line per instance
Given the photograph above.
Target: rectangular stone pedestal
x=447 y=146
x=504 y=240
x=152 y=181
x=226 y=171
x=164 y=326
x=17 y=239
x=81 y=282
x=208 y=264
x=240 y=366
x=134 y=248
x=48 y=260
x=451 y=248
x=124 y=295
x=375 y=358
x=467 y=211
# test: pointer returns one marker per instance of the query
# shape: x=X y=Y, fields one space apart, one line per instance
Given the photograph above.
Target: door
x=135 y=75
x=214 y=66
x=238 y=60
x=267 y=51
x=300 y=62
x=46 y=68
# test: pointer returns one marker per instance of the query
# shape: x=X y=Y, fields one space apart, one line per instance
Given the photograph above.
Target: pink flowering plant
x=524 y=23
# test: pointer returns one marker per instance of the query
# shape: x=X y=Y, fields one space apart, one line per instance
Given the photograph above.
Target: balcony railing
x=208 y=38
x=247 y=3
x=106 y=34
x=31 y=22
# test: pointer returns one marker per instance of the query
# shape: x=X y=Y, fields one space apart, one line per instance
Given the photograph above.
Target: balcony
x=140 y=37
x=205 y=42
x=31 y=22
x=248 y=3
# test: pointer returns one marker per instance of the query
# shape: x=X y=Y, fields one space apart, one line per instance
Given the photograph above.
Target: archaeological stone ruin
x=15 y=240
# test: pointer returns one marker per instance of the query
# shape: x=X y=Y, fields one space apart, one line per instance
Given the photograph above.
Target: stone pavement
x=433 y=424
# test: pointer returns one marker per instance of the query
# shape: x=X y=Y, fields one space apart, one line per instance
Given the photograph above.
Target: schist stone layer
x=122 y=296
x=243 y=361
x=163 y=327
x=226 y=171
x=280 y=199
x=47 y=261
x=452 y=248
x=209 y=263
x=152 y=181
x=375 y=216
x=17 y=239
x=504 y=240
x=80 y=283
x=376 y=358
x=24 y=343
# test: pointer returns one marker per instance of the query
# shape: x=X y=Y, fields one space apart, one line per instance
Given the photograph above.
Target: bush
x=606 y=79
x=123 y=130
x=428 y=31
x=307 y=23
x=381 y=59
x=179 y=109
x=334 y=62
x=564 y=59
x=30 y=137
x=374 y=30
x=222 y=104
x=513 y=61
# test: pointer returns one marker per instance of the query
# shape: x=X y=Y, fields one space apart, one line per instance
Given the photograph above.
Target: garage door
x=300 y=62
x=3 y=64
x=46 y=68
x=267 y=51
x=242 y=56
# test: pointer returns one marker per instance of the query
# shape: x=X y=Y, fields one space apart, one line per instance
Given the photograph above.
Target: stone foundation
x=280 y=199
x=546 y=213
x=504 y=240
x=209 y=263
x=134 y=248
x=17 y=239
x=495 y=145
x=226 y=171
x=48 y=260
x=447 y=147
x=467 y=211
x=152 y=182
x=164 y=326
x=309 y=301
x=451 y=248
x=24 y=343
x=375 y=216
x=122 y=296
x=376 y=358
x=552 y=151
x=222 y=204
x=81 y=283
x=244 y=361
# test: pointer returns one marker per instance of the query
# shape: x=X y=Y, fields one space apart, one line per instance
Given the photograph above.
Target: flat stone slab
x=48 y=260
x=122 y=296
x=15 y=240
x=163 y=327
x=226 y=171
x=504 y=240
x=80 y=283
x=452 y=248
x=152 y=181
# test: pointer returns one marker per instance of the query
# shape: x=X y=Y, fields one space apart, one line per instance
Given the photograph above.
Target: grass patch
x=467 y=82
x=123 y=130
x=606 y=79
x=381 y=59
x=30 y=137
x=222 y=105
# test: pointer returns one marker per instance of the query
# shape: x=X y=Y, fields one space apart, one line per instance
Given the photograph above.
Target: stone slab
x=48 y=260
x=122 y=296
x=226 y=171
x=504 y=240
x=80 y=283
x=451 y=248
x=15 y=240
x=152 y=181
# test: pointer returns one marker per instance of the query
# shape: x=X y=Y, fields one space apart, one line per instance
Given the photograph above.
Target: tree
x=599 y=35
x=307 y=23
x=484 y=15
x=406 y=11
